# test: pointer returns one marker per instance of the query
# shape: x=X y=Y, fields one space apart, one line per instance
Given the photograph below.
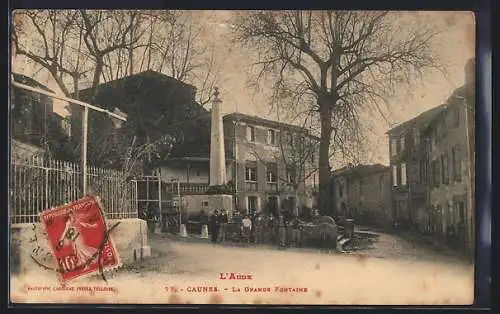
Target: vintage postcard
x=242 y=157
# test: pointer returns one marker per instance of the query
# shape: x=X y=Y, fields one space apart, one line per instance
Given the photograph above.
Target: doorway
x=272 y=205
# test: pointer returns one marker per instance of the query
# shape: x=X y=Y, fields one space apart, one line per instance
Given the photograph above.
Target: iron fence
x=38 y=183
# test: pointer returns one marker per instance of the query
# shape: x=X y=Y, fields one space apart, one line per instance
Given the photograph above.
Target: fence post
x=46 y=170
x=159 y=200
x=136 y=193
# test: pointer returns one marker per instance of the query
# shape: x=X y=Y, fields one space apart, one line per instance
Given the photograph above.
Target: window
x=204 y=204
x=251 y=172
x=433 y=141
x=402 y=148
x=461 y=211
x=394 y=176
x=272 y=172
x=271 y=137
x=421 y=172
x=341 y=190
x=436 y=172
x=394 y=148
x=456 y=116
x=444 y=169
x=416 y=137
x=415 y=172
x=252 y=204
x=290 y=176
x=457 y=163
x=250 y=133
x=403 y=174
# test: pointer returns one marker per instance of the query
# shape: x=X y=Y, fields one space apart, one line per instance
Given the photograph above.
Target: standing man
x=214 y=226
x=296 y=239
x=223 y=220
x=270 y=227
x=282 y=231
x=259 y=229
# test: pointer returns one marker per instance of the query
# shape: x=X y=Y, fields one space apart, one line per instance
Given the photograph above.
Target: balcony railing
x=187 y=188
x=250 y=186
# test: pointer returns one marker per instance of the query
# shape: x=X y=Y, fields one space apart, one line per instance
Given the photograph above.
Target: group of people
x=259 y=229
x=218 y=223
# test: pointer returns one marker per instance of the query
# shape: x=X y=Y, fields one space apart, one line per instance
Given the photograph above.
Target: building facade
x=407 y=165
x=433 y=169
x=451 y=175
x=271 y=165
x=31 y=112
x=364 y=193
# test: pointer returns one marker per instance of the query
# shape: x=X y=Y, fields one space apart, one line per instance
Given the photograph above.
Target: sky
x=456 y=46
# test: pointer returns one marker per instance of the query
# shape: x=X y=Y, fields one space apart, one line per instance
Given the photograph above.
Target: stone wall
x=130 y=238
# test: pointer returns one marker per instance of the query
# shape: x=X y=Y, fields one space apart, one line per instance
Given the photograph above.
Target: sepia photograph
x=242 y=157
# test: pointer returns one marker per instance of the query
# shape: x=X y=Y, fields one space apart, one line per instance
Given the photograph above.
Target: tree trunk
x=97 y=78
x=324 y=199
x=76 y=91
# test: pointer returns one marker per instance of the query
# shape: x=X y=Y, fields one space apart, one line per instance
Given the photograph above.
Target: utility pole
x=83 y=165
x=179 y=203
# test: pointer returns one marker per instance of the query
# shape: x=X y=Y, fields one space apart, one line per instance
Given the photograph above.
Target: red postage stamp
x=79 y=238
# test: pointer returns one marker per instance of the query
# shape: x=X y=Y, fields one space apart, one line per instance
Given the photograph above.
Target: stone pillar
x=217 y=153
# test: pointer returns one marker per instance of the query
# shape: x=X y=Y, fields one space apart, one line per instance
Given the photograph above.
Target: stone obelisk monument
x=217 y=154
x=219 y=200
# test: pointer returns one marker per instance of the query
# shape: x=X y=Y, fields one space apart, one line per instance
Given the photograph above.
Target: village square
x=240 y=157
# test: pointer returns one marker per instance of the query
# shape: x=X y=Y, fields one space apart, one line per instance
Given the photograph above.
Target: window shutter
x=249 y=133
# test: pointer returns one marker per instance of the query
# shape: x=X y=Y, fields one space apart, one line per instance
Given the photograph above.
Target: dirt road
x=190 y=272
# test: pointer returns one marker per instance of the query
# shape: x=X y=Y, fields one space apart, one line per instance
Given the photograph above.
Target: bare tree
x=53 y=40
x=102 y=45
x=171 y=42
x=176 y=47
x=343 y=60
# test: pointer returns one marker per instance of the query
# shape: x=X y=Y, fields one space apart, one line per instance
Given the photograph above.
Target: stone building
x=269 y=162
x=364 y=193
x=30 y=112
x=432 y=168
x=256 y=172
x=34 y=126
x=451 y=149
x=156 y=104
x=407 y=162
